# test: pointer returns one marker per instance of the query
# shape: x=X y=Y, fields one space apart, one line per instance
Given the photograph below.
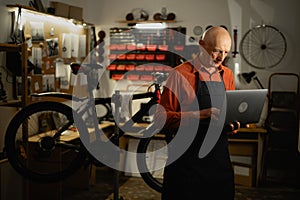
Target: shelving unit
x=22 y=48
x=33 y=10
x=143 y=51
x=146 y=21
x=53 y=28
x=49 y=28
x=246 y=149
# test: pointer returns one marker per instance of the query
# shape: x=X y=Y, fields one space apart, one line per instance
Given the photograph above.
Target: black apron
x=211 y=177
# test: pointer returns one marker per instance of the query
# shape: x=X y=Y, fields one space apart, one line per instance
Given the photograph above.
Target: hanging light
x=160 y=25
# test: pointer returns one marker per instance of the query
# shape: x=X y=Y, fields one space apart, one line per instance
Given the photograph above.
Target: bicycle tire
x=148 y=174
x=263 y=47
x=46 y=159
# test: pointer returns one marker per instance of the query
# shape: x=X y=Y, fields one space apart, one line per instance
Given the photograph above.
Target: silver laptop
x=245 y=106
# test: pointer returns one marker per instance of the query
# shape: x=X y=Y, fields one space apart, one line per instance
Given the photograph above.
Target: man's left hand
x=232 y=128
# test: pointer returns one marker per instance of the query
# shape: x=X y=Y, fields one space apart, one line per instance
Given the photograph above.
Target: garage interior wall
x=235 y=14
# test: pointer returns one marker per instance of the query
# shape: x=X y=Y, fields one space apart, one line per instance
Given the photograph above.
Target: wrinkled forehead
x=221 y=42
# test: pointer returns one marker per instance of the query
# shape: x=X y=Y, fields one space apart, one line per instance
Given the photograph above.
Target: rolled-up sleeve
x=177 y=102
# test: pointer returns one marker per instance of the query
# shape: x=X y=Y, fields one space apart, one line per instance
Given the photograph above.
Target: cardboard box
x=156 y=160
x=244 y=175
x=75 y=12
x=245 y=149
x=60 y=9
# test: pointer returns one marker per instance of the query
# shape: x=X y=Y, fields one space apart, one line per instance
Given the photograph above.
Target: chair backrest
x=286 y=98
x=282 y=121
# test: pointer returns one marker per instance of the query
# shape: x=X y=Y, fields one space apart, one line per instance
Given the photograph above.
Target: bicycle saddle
x=76 y=66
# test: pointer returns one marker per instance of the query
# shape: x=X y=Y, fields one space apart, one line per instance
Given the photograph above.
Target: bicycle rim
x=263 y=47
x=151 y=156
x=32 y=149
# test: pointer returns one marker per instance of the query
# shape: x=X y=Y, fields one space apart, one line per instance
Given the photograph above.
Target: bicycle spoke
x=39 y=144
x=263 y=46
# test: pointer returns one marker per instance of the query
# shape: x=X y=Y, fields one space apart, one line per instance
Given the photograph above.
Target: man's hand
x=212 y=113
x=232 y=128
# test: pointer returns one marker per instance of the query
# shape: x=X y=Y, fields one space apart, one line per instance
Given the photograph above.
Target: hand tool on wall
x=235 y=43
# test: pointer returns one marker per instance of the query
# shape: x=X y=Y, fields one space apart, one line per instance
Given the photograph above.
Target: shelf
x=22 y=6
x=33 y=10
x=146 y=21
x=10 y=47
x=11 y=103
x=243 y=140
x=32 y=80
x=143 y=51
x=22 y=48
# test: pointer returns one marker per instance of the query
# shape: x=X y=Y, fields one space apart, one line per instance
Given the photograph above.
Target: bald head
x=214 y=31
x=216 y=35
x=217 y=42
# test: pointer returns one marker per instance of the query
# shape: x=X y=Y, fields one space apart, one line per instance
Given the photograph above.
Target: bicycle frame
x=91 y=102
x=83 y=110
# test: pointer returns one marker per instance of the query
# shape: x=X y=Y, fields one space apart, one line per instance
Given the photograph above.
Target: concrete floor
x=131 y=188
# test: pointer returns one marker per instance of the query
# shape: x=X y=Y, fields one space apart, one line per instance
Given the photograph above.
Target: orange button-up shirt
x=179 y=93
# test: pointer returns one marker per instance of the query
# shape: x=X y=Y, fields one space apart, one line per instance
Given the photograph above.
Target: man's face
x=218 y=50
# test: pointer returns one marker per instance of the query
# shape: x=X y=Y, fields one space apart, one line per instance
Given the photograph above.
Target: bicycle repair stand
x=116 y=99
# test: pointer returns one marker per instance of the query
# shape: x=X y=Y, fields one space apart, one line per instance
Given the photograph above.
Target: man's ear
x=201 y=42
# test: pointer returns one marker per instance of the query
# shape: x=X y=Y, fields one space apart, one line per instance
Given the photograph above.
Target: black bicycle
x=43 y=143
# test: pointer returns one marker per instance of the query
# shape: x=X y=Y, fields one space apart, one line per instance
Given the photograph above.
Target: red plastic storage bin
x=133 y=77
x=121 y=46
x=112 y=67
x=121 y=67
x=121 y=56
x=130 y=67
x=149 y=56
x=167 y=68
x=146 y=77
x=130 y=56
x=151 y=47
x=112 y=56
x=140 y=68
x=163 y=47
x=159 y=68
x=117 y=76
x=112 y=47
x=140 y=57
x=141 y=47
x=149 y=68
x=131 y=47
x=160 y=57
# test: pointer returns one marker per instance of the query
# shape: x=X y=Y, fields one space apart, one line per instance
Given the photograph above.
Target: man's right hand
x=212 y=113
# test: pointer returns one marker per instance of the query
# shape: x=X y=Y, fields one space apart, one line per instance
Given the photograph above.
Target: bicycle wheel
x=263 y=47
x=41 y=143
x=151 y=160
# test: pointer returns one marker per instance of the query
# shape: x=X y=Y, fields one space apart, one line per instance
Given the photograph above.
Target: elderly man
x=188 y=112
